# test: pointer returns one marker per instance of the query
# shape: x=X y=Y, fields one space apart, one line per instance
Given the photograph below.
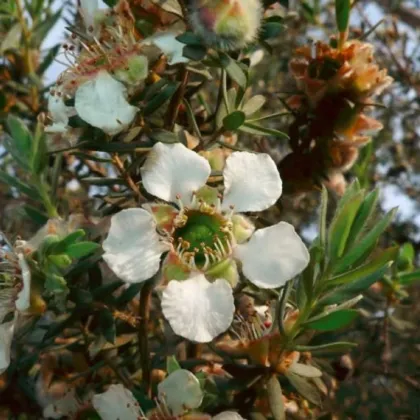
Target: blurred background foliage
x=380 y=379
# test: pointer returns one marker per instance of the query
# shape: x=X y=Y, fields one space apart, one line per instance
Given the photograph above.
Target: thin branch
x=143 y=334
x=120 y=166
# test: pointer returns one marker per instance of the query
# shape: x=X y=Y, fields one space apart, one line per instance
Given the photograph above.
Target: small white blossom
x=59 y=113
x=169 y=45
x=204 y=236
x=102 y=103
x=177 y=394
x=15 y=284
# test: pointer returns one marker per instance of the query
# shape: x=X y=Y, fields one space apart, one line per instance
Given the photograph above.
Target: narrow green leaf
x=223 y=109
x=129 y=294
x=19 y=185
x=40 y=32
x=234 y=120
x=263 y=131
x=163 y=96
x=306 y=388
x=81 y=249
x=22 y=138
x=306 y=371
x=365 y=246
x=55 y=284
x=342 y=14
x=339 y=346
x=70 y=239
x=385 y=258
x=271 y=30
x=172 y=364
x=347 y=291
x=60 y=260
x=107 y=325
x=406 y=257
x=233 y=69
x=48 y=59
x=333 y=321
x=254 y=105
x=351 y=191
x=190 y=38
x=275 y=398
x=311 y=271
x=36 y=215
x=194 y=52
x=191 y=118
x=39 y=158
x=106 y=289
x=323 y=217
x=164 y=136
x=341 y=225
x=407 y=279
x=363 y=216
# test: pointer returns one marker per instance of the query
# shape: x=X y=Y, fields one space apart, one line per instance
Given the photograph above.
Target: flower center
x=203 y=238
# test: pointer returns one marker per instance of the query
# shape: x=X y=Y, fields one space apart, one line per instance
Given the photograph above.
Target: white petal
x=116 y=403
x=59 y=114
x=6 y=336
x=252 y=182
x=67 y=406
x=273 y=256
x=172 y=169
x=23 y=301
x=102 y=103
x=88 y=10
x=181 y=391
x=197 y=309
x=132 y=248
x=169 y=45
x=228 y=415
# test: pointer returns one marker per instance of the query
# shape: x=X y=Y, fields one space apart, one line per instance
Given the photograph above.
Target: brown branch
x=143 y=334
x=120 y=166
x=176 y=100
x=410 y=16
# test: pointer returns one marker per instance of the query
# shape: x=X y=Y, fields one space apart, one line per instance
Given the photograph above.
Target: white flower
x=6 y=336
x=203 y=234
x=169 y=45
x=59 y=113
x=15 y=285
x=117 y=403
x=68 y=405
x=88 y=9
x=197 y=309
x=101 y=102
x=177 y=394
x=228 y=415
x=181 y=391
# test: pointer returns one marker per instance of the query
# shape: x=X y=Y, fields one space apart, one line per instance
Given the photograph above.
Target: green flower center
x=202 y=234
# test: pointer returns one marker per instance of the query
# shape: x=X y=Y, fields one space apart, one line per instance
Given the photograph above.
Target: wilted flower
x=258 y=340
x=204 y=235
x=337 y=86
x=15 y=286
x=226 y=24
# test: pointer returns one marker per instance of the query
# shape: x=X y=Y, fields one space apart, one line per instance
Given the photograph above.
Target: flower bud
x=226 y=24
